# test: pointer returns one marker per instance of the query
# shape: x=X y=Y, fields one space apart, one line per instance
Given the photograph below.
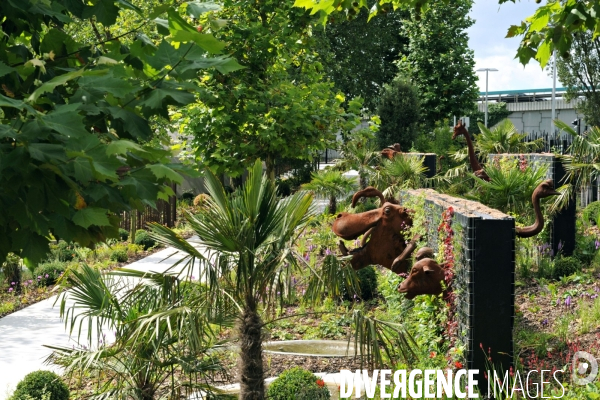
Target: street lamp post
x=486 y=90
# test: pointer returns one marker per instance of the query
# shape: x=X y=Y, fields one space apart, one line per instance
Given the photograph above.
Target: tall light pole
x=486 y=89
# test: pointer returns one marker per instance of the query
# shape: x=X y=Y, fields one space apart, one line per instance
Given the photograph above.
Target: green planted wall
x=477 y=244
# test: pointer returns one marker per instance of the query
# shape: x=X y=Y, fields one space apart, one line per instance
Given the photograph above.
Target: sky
x=493 y=50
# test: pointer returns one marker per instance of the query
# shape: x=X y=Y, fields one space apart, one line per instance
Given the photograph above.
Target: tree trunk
x=332 y=205
x=270 y=163
x=252 y=384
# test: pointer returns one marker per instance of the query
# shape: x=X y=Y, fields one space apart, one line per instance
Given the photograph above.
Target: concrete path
x=24 y=333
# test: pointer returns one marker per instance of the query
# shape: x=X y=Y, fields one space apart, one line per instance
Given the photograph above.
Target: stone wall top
x=468 y=208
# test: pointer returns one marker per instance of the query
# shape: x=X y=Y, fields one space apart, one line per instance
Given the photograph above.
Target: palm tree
x=582 y=163
x=403 y=171
x=502 y=138
x=146 y=352
x=247 y=238
x=332 y=184
x=359 y=154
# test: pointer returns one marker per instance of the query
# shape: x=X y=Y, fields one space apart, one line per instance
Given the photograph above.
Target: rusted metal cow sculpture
x=384 y=230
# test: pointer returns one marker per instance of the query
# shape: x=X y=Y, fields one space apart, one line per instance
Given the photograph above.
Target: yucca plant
x=246 y=256
x=331 y=184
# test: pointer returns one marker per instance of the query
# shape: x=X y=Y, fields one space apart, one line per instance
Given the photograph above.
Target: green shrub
x=284 y=188
x=123 y=234
x=50 y=272
x=188 y=196
x=143 y=239
x=119 y=255
x=585 y=249
x=297 y=383
x=39 y=383
x=11 y=269
x=367 y=279
x=63 y=251
x=565 y=266
x=592 y=211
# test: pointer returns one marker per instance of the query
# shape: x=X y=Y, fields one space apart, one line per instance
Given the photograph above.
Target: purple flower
x=594 y=296
x=560 y=245
x=10 y=289
x=24 y=283
x=568 y=301
x=39 y=277
x=307 y=257
x=557 y=302
x=30 y=281
x=46 y=276
x=193 y=278
x=597 y=244
x=12 y=283
x=327 y=252
x=545 y=322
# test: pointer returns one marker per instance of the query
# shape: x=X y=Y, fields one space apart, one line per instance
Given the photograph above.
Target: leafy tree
x=75 y=118
x=279 y=105
x=331 y=184
x=552 y=27
x=359 y=56
x=446 y=82
x=399 y=112
x=580 y=73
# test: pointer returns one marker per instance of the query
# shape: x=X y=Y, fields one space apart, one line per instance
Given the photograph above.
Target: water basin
x=314 y=348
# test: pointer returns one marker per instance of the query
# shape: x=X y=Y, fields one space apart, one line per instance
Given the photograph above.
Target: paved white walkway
x=24 y=333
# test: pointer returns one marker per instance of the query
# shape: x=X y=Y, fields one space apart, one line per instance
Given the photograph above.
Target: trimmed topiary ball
x=123 y=234
x=119 y=255
x=35 y=384
x=565 y=266
x=143 y=239
x=50 y=272
x=298 y=383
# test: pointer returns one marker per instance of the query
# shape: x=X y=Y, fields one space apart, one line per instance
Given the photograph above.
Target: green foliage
x=119 y=255
x=359 y=55
x=123 y=234
x=359 y=153
x=399 y=111
x=284 y=188
x=367 y=283
x=439 y=62
x=62 y=251
x=278 y=106
x=37 y=384
x=510 y=187
x=552 y=27
x=11 y=269
x=76 y=119
x=297 y=383
x=565 y=266
x=592 y=212
x=585 y=248
x=50 y=272
x=404 y=171
x=142 y=238
x=332 y=184
x=163 y=327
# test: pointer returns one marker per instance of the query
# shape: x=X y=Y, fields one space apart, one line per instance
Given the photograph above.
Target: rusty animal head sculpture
x=426 y=277
x=390 y=151
x=384 y=228
x=544 y=189
x=461 y=129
